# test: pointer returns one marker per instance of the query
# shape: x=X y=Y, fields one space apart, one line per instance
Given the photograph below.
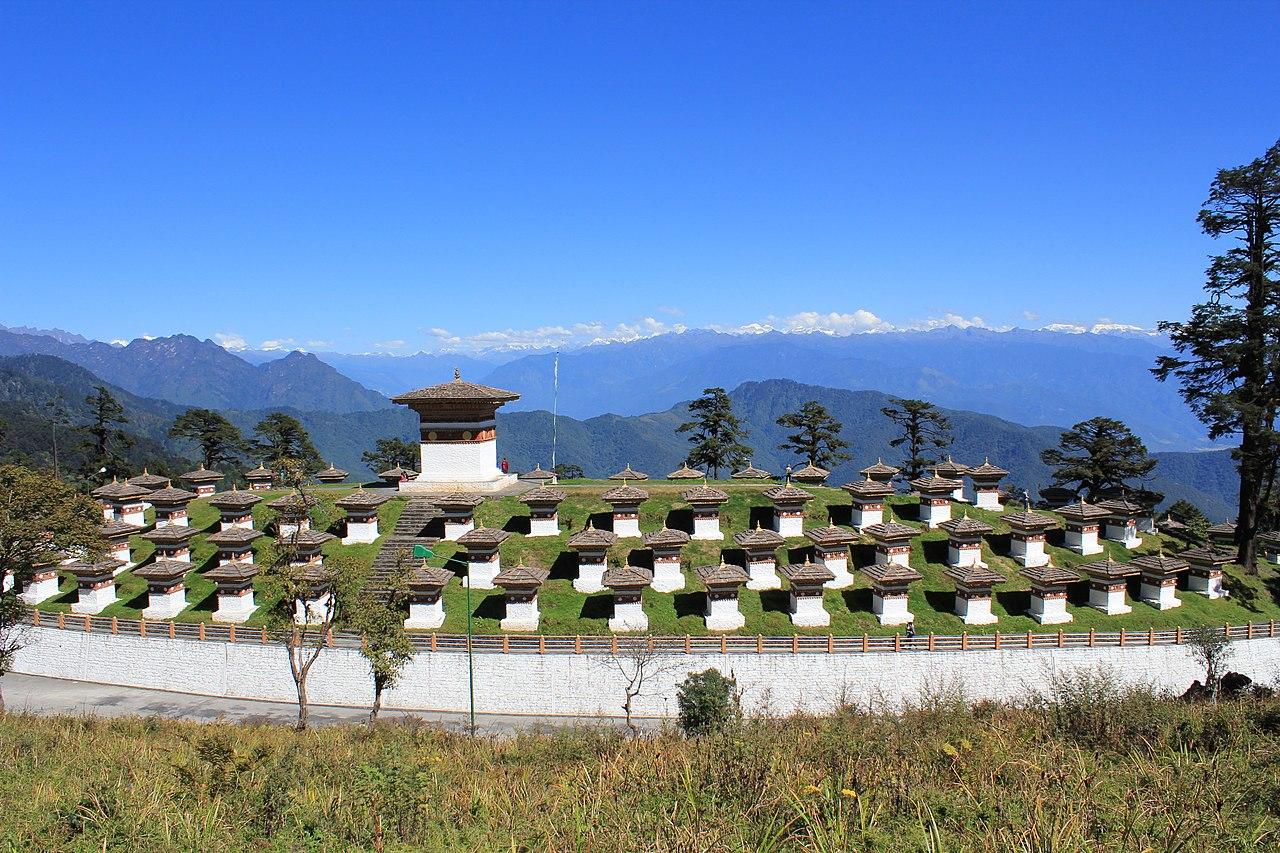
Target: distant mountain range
x=182 y=369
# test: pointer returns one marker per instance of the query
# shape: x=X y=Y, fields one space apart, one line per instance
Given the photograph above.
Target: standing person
x=505 y=465
x=911 y=633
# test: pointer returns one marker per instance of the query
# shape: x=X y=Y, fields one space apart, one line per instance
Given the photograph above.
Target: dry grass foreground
x=1090 y=769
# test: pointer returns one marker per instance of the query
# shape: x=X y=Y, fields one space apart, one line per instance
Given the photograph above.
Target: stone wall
x=590 y=684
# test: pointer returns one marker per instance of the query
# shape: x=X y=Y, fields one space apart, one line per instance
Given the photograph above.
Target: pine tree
x=1098 y=454
x=717 y=433
x=817 y=437
x=219 y=439
x=1229 y=350
x=107 y=440
x=283 y=438
x=391 y=453
x=925 y=432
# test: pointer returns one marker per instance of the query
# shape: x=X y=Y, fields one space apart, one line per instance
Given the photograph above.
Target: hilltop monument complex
x=458 y=425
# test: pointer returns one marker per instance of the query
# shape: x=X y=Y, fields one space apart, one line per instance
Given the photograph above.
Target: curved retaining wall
x=590 y=684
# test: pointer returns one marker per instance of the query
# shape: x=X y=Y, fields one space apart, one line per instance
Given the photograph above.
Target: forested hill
x=184 y=370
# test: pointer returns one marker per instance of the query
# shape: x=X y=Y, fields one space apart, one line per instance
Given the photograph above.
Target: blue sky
x=396 y=177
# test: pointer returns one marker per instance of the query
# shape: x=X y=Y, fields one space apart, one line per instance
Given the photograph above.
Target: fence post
x=201 y=630
x=1226 y=630
x=866 y=642
x=1271 y=628
x=231 y=632
x=930 y=641
x=142 y=627
x=115 y=625
x=687 y=644
x=1151 y=636
x=1122 y=638
x=62 y=619
x=759 y=644
x=542 y=644
x=613 y=645
x=996 y=640
x=88 y=624
x=1028 y=639
x=577 y=644
x=172 y=632
x=328 y=638
x=795 y=643
x=1090 y=638
x=897 y=642
x=1177 y=635
x=433 y=641
x=506 y=643
x=35 y=617
x=724 y=644
x=264 y=635
x=831 y=644
x=1061 y=639
x=1249 y=632
x=964 y=641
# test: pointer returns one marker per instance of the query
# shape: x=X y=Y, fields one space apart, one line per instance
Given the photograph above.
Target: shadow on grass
x=642 y=557
x=761 y=516
x=734 y=557
x=841 y=514
x=999 y=543
x=565 y=566
x=601 y=520
x=597 y=606
x=138 y=602
x=517 y=524
x=457 y=566
x=941 y=600
x=907 y=512
x=690 y=603
x=775 y=601
x=1078 y=593
x=492 y=607
x=680 y=519
x=207 y=604
x=1055 y=536
x=862 y=554
x=799 y=555
x=934 y=550
x=1014 y=601
x=857 y=600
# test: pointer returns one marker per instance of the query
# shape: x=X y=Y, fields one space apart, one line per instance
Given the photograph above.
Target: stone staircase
x=410 y=530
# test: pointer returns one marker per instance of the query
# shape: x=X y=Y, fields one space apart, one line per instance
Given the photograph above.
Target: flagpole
x=555 y=407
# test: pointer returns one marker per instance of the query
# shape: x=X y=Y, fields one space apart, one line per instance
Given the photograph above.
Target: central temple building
x=458 y=432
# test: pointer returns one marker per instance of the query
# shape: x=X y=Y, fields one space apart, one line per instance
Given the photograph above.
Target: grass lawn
x=566 y=611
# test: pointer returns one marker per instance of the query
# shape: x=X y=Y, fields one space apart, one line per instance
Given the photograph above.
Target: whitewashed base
x=628 y=617
x=808 y=612
x=234 y=608
x=165 y=605
x=932 y=516
x=312 y=611
x=724 y=615
x=1028 y=554
x=626 y=528
x=975 y=611
x=93 y=602
x=590 y=578
x=1110 y=603
x=763 y=576
x=425 y=617
x=866 y=518
x=1052 y=611
x=38 y=591
x=453 y=530
x=1159 y=597
x=891 y=610
x=544 y=526
x=481 y=575
x=840 y=568
x=964 y=556
x=790 y=527
x=1210 y=587
x=883 y=559
x=360 y=532
x=667 y=577
x=521 y=616
x=707 y=529
x=1083 y=544
x=1126 y=536
x=989 y=501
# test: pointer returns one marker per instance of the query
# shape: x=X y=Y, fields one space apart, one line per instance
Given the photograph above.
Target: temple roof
x=1029 y=520
x=458 y=390
x=429 y=577
x=665 y=538
x=169 y=496
x=965 y=526
x=1123 y=506
x=704 y=494
x=1049 y=575
x=830 y=535
x=1222 y=528
x=202 y=475
x=81 y=568
x=331 y=473
x=1169 y=524
x=233 y=499
x=936 y=483
x=397 y=473
x=974 y=575
x=1108 y=569
x=521 y=577
x=163 y=570
x=118 y=491
x=891 y=573
x=458 y=500
x=591 y=538
x=483 y=537
x=787 y=494
x=306 y=539
x=722 y=575
x=624 y=494
x=868 y=488
x=146 y=480
x=1159 y=564
x=950 y=468
x=1209 y=554
x=760 y=537
x=234 y=536
x=231 y=572
x=987 y=471
x=170 y=534
x=628 y=474
x=685 y=473
x=543 y=496
x=112 y=529
x=751 y=472
x=879 y=469
x=810 y=474
x=536 y=474
x=361 y=499
x=807 y=572
x=627 y=577
x=261 y=472
x=288 y=503
x=1082 y=511
x=890 y=531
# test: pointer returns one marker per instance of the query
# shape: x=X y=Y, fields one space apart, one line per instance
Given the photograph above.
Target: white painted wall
x=460 y=462
x=587 y=684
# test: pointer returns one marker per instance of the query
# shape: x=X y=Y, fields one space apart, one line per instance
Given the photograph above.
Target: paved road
x=55 y=696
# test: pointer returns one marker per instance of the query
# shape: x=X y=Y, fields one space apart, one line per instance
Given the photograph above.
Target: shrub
x=706 y=702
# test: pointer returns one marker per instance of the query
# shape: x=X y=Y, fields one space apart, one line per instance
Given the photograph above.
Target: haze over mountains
x=1041 y=374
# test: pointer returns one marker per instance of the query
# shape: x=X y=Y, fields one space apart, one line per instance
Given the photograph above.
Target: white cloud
x=230 y=340
x=1031 y=316
x=277 y=344
x=320 y=344
x=670 y=311
x=389 y=344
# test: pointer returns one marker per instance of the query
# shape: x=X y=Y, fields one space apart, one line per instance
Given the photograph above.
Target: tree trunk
x=1 y=695
x=626 y=707
x=1247 y=515
x=377 y=706
x=302 y=703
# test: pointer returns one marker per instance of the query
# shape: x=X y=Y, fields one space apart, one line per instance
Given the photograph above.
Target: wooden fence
x=724 y=644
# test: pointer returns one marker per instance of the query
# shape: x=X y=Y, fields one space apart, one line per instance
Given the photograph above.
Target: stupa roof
x=1082 y=511
x=1225 y=529
x=232 y=572
x=965 y=526
x=831 y=535
x=628 y=474
x=950 y=468
x=807 y=572
x=665 y=538
x=787 y=494
x=987 y=471
x=704 y=494
x=362 y=499
x=536 y=474
x=521 y=577
x=170 y=534
x=331 y=474
x=936 y=483
x=1123 y=506
x=591 y=538
x=117 y=491
x=458 y=500
x=1049 y=575
x=627 y=577
x=306 y=539
x=429 y=577
x=1108 y=569
x=760 y=537
x=233 y=536
x=1028 y=520
x=974 y=575
x=114 y=529
x=810 y=474
x=685 y=473
x=483 y=537
x=868 y=488
x=458 y=390
x=543 y=496
x=261 y=472
x=624 y=494
x=233 y=499
x=202 y=475
x=1159 y=564
x=397 y=473
x=1209 y=554
x=723 y=574
x=880 y=469
x=163 y=570
x=147 y=480
x=169 y=496
x=751 y=472
x=891 y=573
x=890 y=531
x=84 y=568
